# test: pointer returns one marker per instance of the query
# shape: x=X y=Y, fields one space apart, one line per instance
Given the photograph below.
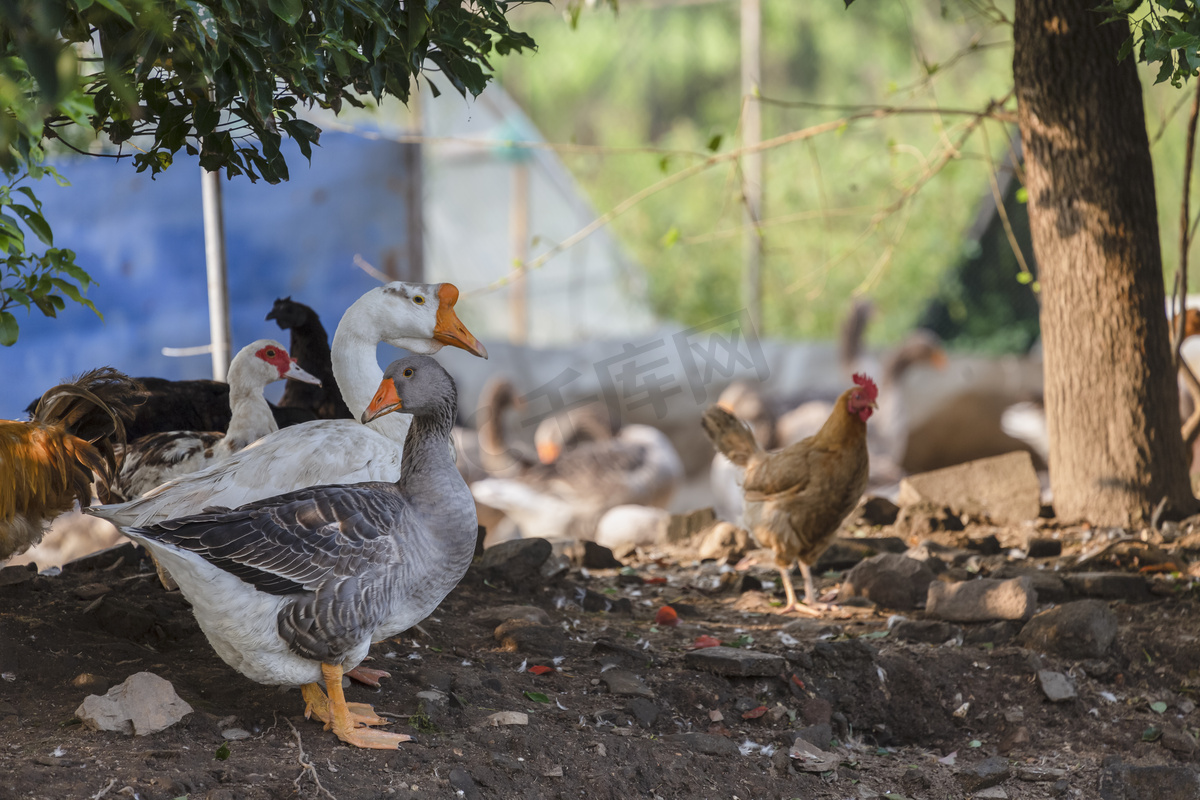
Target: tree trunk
x=1112 y=404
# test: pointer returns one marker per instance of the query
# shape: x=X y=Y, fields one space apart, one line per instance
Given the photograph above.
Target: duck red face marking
x=276 y=357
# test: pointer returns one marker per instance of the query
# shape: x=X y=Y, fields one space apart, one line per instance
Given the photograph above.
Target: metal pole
x=752 y=169
x=519 y=230
x=214 y=259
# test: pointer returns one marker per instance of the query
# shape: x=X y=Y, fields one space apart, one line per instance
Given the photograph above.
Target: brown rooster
x=49 y=462
x=798 y=496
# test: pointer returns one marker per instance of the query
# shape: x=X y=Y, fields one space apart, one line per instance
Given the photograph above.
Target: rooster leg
x=788 y=590
x=810 y=606
x=367 y=676
x=317 y=705
x=343 y=721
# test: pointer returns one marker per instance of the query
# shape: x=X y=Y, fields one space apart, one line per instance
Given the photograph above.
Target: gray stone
x=1043 y=548
x=461 y=781
x=1109 y=586
x=1127 y=782
x=1036 y=774
x=889 y=580
x=1049 y=586
x=1004 y=488
x=987 y=773
x=625 y=684
x=996 y=633
x=435 y=705
x=991 y=793
x=705 y=743
x=644 y=711
x=930 y=631
x=982 y=600
x=495 y=615
x=731 y=661
x=1082 y=629
x=1056 y=686
x=819 y=736
x=844 y=553
x=143 y=704
x=1179 y=741
x=235 y=734
x=521 y=636
x=516 y=561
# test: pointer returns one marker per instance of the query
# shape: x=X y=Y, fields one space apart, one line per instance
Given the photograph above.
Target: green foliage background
x=667 y=76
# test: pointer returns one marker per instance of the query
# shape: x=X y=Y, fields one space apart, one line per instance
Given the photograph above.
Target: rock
x=740 y=583
x=997 y=633
x=128 y=553
x=982 y=600
x=522 y=636
x=639 y=526
x=807 y=758
x=553 y=567
x=1179 y=741
x=15 y=579
x=1014 y=738
x=1043 y=548
x=516 y=561
x=1035 y=774
x=599 y=556
x=625 y=684
x=704 y=743
x=723 y=542
x=819 y=736
x=595 y=601
x=1109 y=586
x=1004 y=488
x=889 y=580
x=731 y=661
x=922 y=519
x=143 y=704
x=1048 y=585
x=1082 y=629
x=844 y=553
x=1127 y=782
x=435 y=705
x=462 y=782
x=90 y=591
x=930 y=631
x=1056 y=686
x=987 y=773
x=508 y=718
x=877 y=510
x=495 y=615
x=644 y=711
x=991 y=793
x=235 y=734
x=683 y=527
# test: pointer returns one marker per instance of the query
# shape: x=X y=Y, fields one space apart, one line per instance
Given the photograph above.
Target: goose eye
x=408 y=373
x=419 y=300
x=270 y=353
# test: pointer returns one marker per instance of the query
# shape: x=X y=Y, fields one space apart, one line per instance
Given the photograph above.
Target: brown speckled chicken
x=50 y=461
x=798 y=496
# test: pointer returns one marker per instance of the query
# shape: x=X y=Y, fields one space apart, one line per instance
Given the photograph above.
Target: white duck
x=419 y=318
x=293 y=589
x=566 y=498
x=158 y=457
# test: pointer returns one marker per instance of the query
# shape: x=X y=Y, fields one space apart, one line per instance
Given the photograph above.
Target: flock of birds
x=303 y=531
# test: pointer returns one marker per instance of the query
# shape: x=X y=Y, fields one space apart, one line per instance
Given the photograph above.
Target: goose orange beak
x=449 y=328
x=548 y=452
x=384 y=402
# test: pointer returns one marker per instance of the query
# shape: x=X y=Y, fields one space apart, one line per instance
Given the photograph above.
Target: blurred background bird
x=50 y=462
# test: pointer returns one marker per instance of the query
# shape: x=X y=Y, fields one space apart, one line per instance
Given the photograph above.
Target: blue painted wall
x=143 y=241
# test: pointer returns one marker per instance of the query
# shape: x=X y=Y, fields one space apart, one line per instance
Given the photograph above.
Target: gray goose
x=292 y=590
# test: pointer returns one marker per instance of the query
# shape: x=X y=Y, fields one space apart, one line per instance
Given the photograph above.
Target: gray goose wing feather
x=329 y=547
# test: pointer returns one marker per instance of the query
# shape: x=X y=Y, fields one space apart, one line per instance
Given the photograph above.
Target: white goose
x=419 y=318
x=158 y=457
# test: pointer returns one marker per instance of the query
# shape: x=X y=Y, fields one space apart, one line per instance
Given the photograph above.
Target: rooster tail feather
x=730 y=435
x=95 y=408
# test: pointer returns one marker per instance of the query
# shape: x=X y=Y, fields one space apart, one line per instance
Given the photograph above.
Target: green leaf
x=1151 y=734
x=537 y=697
x=118 y=9
x=1158 y=707
x=670 y=238
x=222 y=752
x=287 y=10
x=8 y=329
x=714 y=143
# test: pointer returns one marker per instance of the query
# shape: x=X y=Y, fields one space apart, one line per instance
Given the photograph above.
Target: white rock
x=508 y=718
x=143 y=704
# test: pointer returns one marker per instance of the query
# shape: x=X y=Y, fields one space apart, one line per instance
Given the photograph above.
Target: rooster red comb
x=869 y=387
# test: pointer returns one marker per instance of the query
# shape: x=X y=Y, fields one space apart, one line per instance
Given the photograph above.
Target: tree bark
x=1112 y=403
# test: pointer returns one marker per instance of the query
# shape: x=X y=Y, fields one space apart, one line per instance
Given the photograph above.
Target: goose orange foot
x=317 y=705
x=367 y=676
x=345 y=723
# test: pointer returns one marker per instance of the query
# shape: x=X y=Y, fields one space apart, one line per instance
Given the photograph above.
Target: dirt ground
x=619 y=713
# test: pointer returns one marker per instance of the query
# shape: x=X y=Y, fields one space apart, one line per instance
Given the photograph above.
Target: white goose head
x=263 y=362
x=417 y=317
